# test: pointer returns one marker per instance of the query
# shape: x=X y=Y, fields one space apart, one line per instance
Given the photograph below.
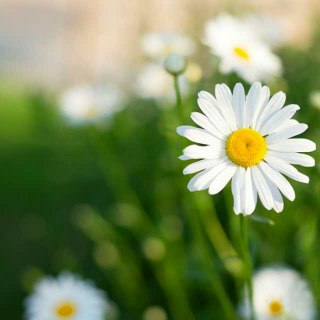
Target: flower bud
x=175 y=63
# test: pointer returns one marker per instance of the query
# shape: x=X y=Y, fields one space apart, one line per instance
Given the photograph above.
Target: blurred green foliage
x=112 y=204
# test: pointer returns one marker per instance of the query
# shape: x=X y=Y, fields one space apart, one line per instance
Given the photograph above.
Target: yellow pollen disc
x=275 y=308
x=246 y=147
x=241 y=53
x=66 y=310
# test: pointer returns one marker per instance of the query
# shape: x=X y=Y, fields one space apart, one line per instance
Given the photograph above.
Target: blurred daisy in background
x=246 y=139
x=66 y=297
x=90 y=104
x=157 y=45
x=240 y=48
x=266 y=27
x=155 y=82
x=280 y=293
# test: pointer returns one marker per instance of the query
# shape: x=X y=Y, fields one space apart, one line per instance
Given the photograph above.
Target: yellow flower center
x=241 y=53
x=275 y=308
x=66 y=310
x=246 y=147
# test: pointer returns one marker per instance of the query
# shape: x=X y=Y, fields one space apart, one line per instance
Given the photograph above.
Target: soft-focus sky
x=63 y=41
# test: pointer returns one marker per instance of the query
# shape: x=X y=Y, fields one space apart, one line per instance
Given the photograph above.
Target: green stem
x=247 y=261
x=217 y=285
x=117 y=177
x=179 y=99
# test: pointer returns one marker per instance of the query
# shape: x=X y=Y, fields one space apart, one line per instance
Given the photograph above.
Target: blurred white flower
x=315 y=99
x=240 y=49
x=246 y=139
x=155 y=82
x=280 y=293
x=90 y=104
x=66 y=297
x=157 y=45
x=267 y=28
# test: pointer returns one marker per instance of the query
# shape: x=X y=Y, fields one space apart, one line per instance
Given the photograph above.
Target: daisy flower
x=240 y=49
x=157 y=45
x=247 y=139
x=67 y=297
x=280 y=293
x=88 y=104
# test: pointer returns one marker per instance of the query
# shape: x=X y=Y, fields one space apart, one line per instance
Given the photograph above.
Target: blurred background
x=106 y=198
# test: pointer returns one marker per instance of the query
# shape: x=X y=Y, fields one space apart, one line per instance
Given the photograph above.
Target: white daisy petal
x=184 y=157
x=207 y=96
x=214 y=116
x=201 y=165
x=293 y=145
x=294 y=158
x=253 y=99
x=278 y=118
x=264 y=99
x=287 y=133
x=198 y=135
x=202 y=152
x=279 y=180
x=276 y=195
x=225 y=106
x=202 y=180
x=202 y=121
x=276 y=103
x=249 y=192
x=287 y=169
x=236 y=186
x=263 y=189
x=221 y=180
x=287 y=124
x=238 y=102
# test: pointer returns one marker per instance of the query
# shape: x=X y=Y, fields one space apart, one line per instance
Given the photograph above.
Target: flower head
x=280 y=293
x=158 y=45
x=86 y=104
x=67 y=297
x=241 y=49
x=247 y=139
x=175 y=63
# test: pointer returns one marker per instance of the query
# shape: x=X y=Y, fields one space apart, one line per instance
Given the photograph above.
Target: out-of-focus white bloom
x=315 y=99
x=240 y=49
x=267 y=28
x=247 y=139
x=89 y=104
x=66 y=297
x=175 y=63
x=155 y=82
x=280 y=293
x=157 y=45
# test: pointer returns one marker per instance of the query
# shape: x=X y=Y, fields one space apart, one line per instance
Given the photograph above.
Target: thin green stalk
x=217 y=285
x=119 y=180
x=247 y=261
x=179 y=99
